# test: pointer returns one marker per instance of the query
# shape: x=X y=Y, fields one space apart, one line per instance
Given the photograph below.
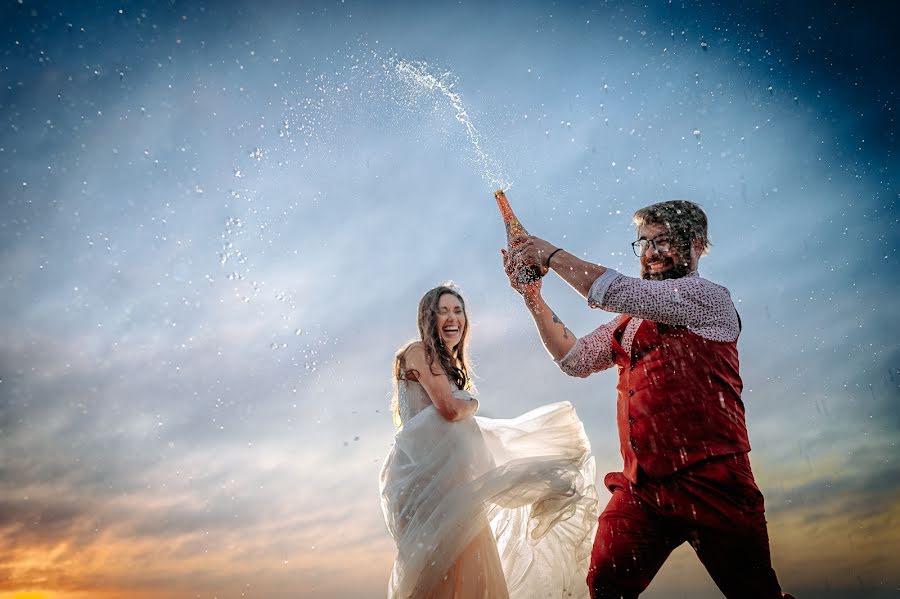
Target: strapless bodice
x=412 y=398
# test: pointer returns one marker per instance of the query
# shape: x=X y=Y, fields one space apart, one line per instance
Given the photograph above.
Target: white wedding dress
x=488 y=509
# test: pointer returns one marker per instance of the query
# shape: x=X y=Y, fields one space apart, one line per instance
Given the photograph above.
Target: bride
x=480 y=508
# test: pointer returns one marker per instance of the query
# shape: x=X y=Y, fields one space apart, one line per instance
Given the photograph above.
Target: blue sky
x=219 y=219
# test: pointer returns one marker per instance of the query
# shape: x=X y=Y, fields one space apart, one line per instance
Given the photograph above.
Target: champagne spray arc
x=527 y=274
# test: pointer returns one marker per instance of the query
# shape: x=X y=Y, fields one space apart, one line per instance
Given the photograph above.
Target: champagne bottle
x=514 y=228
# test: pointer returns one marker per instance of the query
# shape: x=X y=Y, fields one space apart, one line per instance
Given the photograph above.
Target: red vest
x=679 y=399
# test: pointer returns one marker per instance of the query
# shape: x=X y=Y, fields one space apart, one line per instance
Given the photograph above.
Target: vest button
x=631 y=421
x=630 y=392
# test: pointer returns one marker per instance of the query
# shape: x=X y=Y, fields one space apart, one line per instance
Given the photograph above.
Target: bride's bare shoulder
x=413 y=349
x=412 y=359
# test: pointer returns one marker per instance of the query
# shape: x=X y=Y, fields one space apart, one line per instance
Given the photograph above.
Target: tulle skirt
x=491 y=508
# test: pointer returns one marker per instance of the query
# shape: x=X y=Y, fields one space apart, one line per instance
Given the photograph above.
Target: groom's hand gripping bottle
x=532 y=272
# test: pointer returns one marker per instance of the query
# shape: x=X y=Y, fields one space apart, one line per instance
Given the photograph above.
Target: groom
x=682 y=433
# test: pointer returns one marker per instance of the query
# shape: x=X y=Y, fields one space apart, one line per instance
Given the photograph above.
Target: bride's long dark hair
x=454 y=364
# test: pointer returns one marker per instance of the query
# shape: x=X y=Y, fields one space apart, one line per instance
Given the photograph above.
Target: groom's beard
x=678 y=266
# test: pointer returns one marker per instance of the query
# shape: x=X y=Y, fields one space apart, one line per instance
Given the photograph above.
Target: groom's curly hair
x=455 y=365
x=685 y=220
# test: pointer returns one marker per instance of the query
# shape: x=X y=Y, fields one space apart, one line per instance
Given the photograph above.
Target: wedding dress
x=486 y=508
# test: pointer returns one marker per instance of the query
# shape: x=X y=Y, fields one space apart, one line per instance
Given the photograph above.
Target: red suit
x=679 y=399
x=686 y=475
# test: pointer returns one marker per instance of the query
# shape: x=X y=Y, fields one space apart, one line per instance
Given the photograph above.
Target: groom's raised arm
x=579 y=274
x=576 y=357
x=557 y=338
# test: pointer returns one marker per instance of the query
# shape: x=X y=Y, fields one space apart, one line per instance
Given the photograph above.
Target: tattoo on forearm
x=556 y=319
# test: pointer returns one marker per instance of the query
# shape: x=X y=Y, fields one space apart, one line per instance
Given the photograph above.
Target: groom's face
x=665 y=257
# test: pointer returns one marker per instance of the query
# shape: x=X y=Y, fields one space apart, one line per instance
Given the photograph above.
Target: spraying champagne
x=514 y=228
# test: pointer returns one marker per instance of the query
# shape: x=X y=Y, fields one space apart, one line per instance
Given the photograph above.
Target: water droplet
x=697 y=133
x=704 y=45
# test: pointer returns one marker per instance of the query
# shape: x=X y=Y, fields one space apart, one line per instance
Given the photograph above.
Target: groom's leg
x=730 y=537
x=631 y=545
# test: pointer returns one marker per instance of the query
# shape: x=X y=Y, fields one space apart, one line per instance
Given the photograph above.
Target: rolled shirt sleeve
x=691 y=301
x=601 y=286
x=591 y=353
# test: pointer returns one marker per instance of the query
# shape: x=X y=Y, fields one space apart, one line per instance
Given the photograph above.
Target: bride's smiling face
x=451 y=320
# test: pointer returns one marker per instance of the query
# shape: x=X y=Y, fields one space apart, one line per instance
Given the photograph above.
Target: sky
x=218 y=219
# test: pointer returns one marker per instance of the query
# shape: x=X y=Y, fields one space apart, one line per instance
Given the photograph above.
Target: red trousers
x=715 y=505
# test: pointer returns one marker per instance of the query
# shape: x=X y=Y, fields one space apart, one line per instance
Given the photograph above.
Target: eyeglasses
x=660 y=245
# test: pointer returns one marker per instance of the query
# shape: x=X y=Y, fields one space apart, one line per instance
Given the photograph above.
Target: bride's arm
x=437 y=385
